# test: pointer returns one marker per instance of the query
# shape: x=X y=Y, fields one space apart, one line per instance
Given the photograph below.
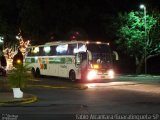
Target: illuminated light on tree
x=23 y=45
x=9 y=54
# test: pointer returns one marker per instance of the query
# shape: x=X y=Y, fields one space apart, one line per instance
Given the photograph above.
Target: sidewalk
x=147 y=79
x=6 y=99
x=140 y=87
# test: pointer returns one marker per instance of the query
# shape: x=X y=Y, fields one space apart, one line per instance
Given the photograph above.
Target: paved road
x=99 y=98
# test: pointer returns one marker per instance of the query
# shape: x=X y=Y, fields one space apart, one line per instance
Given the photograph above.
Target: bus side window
x=47 y=50
x=41 y=52
x=81 y=47
x=62 y=49
x=71 y=49
x=53 y=50
x=35 y=51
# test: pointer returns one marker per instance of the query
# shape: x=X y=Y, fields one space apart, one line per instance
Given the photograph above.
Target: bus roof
x=69 y=42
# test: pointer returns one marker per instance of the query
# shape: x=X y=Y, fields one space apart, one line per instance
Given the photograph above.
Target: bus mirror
x=116 y=56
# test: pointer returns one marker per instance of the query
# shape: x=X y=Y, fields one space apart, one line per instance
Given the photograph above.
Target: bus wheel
x=38 y=74
x=72 y=76
x=33 y=72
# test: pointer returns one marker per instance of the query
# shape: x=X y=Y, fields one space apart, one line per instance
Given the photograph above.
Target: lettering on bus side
x=60 y=60
x=68 y=60
x=55 y=60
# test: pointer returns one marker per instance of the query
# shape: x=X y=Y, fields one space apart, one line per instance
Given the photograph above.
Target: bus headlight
x=91 y=74
x=111 y=73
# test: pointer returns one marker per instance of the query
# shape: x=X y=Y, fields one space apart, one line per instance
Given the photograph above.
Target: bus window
x=41 y=52
x=35 y=51
x=62 y=49
x=47 y=50
x=72 y=48
x=81 y=47
x=53 y=50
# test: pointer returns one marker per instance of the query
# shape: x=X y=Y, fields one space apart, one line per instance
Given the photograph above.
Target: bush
x=19 y=75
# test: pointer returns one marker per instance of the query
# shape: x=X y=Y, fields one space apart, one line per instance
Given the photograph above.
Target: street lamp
x=144 y=8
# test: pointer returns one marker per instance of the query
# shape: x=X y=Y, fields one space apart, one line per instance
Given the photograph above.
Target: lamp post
x=145 y=51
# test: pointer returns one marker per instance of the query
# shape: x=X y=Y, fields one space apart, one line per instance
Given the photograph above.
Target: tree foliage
x=133 y=39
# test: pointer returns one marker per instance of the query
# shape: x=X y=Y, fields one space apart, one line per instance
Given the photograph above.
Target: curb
x=28 y=98
x=60 y=87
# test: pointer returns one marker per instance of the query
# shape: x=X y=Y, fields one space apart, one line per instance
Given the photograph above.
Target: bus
x=76 y=60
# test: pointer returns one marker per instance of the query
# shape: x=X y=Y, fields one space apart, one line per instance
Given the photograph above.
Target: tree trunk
x=139 y=65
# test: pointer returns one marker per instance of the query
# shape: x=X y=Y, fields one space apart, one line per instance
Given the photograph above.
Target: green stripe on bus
x=55 y=60
x=30 y=60
x=64 y=60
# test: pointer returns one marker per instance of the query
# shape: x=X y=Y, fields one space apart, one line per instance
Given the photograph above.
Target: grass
x=140 y=78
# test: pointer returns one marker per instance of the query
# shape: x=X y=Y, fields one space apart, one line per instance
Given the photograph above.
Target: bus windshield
x=100 y=53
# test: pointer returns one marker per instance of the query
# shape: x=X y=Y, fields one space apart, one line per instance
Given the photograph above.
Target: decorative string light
x=9 y=53
x=23 y=45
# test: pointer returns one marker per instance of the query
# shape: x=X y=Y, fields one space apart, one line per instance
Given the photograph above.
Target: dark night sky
x=61 y=16
x=103 y=8
x=67 y=15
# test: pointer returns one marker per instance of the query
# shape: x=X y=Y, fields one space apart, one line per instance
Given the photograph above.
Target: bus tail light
x=91 y=74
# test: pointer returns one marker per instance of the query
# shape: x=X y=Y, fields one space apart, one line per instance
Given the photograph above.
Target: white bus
x=75 y=60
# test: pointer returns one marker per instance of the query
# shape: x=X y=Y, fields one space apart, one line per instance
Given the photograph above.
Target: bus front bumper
x=96 y=75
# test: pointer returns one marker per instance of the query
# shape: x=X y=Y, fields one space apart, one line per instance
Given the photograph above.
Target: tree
x=132 y=38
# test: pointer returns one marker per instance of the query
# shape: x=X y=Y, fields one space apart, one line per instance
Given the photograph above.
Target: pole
x=145 y=51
